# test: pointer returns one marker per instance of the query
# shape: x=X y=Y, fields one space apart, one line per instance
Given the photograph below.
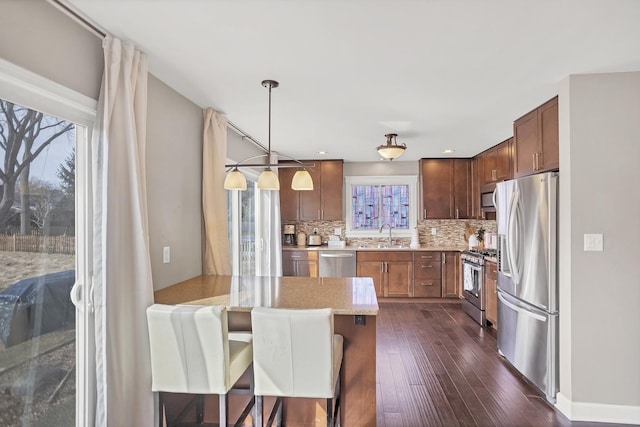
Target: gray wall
x=600 y=291
x=47 y=42
x=174 y=184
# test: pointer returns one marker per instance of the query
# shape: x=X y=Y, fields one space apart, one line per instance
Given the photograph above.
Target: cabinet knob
x=426 y=284
x=533 y=157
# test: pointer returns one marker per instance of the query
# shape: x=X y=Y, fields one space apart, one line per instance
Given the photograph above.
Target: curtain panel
x=217 y=260
x=122 y=285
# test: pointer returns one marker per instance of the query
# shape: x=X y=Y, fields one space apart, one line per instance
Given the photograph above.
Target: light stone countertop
x=345 y=295
x=374 y=247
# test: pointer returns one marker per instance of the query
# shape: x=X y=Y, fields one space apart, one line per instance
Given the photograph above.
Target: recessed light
x=449 y=151
x=323 y=152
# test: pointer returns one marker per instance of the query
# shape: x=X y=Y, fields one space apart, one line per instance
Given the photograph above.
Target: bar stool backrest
x=293 y=352
x=189 y=349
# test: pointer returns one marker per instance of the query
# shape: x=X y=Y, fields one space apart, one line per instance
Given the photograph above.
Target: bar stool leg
x=257 y=412
x=224 y=410
x=200 y=409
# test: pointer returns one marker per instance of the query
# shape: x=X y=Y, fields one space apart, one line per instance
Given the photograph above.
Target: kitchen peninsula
x=355 y=307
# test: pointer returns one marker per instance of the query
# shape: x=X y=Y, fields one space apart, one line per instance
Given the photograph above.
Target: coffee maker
x=289 y=235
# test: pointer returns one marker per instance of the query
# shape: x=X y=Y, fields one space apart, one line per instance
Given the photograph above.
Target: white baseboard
x=597 y=412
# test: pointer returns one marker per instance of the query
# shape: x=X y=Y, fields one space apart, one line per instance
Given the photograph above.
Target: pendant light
x=391 y=150
x=268 y=179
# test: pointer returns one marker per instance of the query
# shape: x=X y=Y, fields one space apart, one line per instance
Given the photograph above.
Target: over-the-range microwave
x=487 y=208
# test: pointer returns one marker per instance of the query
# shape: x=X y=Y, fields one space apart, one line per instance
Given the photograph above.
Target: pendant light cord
x=269 y=137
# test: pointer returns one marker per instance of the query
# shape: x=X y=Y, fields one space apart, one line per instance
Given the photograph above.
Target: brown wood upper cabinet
x=445 y=186
x=495 y=163
x=536 y=140
x=323 y=202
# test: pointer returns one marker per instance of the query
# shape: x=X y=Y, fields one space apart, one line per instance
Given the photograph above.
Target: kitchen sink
x=383 y=246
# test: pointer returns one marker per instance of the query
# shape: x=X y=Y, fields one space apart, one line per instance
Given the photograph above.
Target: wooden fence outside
x=42 y=244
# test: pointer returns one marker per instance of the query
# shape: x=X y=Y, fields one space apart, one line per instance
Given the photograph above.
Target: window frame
x=410 y=180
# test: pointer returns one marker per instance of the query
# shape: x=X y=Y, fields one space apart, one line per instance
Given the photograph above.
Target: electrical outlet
x=337 y=231
x=593 y=242
x=166 y=255
x=433 y=231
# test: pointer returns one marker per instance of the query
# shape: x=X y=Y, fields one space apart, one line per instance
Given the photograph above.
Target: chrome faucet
x=388 y=225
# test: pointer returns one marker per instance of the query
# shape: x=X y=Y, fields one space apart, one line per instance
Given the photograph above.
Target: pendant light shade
x=235 y=180
x=302 y=181
x=391 y=150
x=268 y=180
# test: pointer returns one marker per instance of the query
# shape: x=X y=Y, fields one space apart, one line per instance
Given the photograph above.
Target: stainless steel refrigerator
x=526 y=211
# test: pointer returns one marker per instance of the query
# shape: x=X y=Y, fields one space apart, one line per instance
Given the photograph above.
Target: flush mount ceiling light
x=268 y=179
x=391 y=150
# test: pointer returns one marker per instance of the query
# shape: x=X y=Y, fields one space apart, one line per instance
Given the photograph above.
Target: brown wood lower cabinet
x=491 y=295
x=450 y=274
x=300 y=263
x=391 y=272
x=420 y=274
x=427 y=274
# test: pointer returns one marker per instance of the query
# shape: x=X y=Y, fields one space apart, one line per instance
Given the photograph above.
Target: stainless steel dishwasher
x=337 y=264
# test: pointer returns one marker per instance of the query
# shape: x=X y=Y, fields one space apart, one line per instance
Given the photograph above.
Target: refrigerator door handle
x=512 y=237
x=521 y=310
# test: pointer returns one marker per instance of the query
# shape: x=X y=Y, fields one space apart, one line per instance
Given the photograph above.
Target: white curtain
x=122 y=283
x=269 y=249
x=217 y=258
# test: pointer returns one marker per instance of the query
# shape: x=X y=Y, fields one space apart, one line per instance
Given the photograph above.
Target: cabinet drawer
x=427 y=288
x=299 y=255
x=427 y=256
x=383 y=256
x=427 y=269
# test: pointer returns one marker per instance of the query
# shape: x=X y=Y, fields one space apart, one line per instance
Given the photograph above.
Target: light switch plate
x=337 y=231
x=433 y=231
x=593 y=242
x=166 y=255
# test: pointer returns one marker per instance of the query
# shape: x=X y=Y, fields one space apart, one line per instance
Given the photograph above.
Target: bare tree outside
x=24 y=134
x=37 y=268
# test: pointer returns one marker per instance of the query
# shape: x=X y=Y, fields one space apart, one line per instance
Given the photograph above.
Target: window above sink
x=371 y=201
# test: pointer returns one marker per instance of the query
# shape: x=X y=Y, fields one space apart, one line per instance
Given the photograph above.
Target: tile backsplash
x=449 y=232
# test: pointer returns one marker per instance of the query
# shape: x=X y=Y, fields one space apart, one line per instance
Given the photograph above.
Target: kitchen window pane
x=374 y=205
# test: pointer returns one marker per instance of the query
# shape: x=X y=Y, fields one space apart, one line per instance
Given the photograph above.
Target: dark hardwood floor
x=437 y=367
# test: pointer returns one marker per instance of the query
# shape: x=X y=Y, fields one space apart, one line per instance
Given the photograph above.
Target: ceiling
x=442 y=74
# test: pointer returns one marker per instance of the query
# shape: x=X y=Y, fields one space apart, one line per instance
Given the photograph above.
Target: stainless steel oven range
x=473 y=282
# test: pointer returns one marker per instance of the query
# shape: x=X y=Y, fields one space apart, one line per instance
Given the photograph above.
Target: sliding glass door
x=46 y=349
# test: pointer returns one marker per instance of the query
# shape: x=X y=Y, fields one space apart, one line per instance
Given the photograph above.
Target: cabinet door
x=331 y=189
x=306 y=268
x=437 y=188
x=309 y=201
x=503 y=160
x=373 y=269
x=475 y=188
x=427 y=274
x=462 y=188
x=525 y=140
x=288 y=197
x=491 y=296
x=398 y=279
x=490 y=165
x=450 y=274
x=549 y=139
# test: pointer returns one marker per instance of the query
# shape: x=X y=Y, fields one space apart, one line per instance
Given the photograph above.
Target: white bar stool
x=193 y=352
x=295 y=354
